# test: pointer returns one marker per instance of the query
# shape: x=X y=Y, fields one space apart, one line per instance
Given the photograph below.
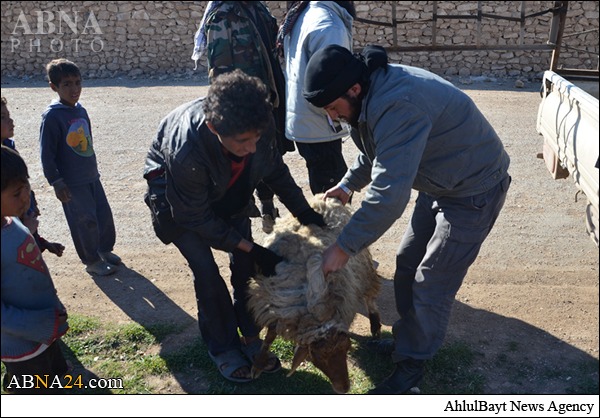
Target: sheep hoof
x=262 y=359
x=255 y=373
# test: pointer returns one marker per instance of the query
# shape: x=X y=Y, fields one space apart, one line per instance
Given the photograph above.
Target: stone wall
x=155 y=38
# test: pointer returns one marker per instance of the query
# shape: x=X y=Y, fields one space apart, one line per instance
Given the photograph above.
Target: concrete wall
x=155 y=39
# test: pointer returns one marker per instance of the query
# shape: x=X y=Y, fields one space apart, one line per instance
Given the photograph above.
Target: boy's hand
x=265 y=259
x=61 y=190
x=55 y=248
x=310 y=217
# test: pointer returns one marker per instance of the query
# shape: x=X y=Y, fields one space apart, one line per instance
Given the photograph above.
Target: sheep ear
x=300 y=354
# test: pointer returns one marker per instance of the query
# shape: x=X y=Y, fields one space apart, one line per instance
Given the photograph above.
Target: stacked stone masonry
x=156 y=38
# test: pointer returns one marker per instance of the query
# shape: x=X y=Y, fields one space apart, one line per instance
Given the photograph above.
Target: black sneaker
x=384 y=346
x=407 y=375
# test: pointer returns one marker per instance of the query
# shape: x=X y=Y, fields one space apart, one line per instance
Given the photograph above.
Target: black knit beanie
x=330 y=72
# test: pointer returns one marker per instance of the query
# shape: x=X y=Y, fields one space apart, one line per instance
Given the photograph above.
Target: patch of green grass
x=120 y=352
x=520 y=370
x=188 y=357
x=451 y=371
x=365 y=368
x=283 y=349
x=154 y=364
x=134 y=354
x=133 y=334
x=116 y=352
x=82 y=325
x=193 y=358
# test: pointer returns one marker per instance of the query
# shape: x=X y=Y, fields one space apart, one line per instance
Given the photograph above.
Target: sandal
x=251 y=351
x=229 y=362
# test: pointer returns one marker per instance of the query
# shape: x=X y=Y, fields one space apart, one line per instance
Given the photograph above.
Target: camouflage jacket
x=234 y=41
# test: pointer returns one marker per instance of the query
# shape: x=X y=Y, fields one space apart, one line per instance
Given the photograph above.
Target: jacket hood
x=337 y=9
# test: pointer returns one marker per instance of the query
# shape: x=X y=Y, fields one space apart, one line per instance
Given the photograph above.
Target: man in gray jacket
x=202 y=168
x=417 y=131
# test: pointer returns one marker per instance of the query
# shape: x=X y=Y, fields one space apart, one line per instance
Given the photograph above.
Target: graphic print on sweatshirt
x=79 y=138
x=29 y=255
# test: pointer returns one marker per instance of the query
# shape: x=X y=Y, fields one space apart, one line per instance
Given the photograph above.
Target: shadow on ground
x=148 y=306
x=484 y=352
x=184 y=351
x=487 y=353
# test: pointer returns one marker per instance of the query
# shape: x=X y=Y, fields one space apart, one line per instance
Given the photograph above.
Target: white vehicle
x=568 y=120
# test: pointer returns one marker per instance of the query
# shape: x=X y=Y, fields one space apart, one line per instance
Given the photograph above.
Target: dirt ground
x=528 y=306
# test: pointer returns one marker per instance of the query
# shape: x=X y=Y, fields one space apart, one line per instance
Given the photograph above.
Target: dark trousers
x=51 y=362
x=325 y=163
x=90 y=221
x=441 y=242
x=264 y=192
x=218 y=316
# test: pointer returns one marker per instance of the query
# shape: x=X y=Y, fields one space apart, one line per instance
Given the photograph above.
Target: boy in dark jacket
x=241 y=34
x=202 y=169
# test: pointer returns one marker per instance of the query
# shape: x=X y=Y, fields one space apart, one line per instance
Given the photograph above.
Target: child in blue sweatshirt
x=69 y=164
x=33 y=317
x=30 y=218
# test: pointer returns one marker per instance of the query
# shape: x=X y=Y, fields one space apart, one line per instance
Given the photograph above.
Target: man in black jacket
x=202 y=170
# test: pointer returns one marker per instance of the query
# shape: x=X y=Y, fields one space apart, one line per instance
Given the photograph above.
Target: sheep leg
x=374 y=319
x=262 y=358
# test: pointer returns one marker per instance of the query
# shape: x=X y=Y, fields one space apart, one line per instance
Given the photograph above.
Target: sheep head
x=328 y=354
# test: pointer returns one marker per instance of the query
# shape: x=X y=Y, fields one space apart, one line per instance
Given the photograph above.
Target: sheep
x=302 y=305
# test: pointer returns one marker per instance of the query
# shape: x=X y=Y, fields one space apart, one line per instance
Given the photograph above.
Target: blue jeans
x=218 y=316
x=441 y=242
x=90 y=221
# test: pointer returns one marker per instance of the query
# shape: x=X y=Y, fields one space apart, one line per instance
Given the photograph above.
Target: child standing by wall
x=33 y=318
x=70 y=166
x=30 y=218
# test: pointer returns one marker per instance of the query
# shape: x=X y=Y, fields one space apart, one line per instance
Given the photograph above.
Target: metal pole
x=557 y=30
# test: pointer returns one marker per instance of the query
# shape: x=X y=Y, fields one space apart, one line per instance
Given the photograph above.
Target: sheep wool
x=302 y=304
